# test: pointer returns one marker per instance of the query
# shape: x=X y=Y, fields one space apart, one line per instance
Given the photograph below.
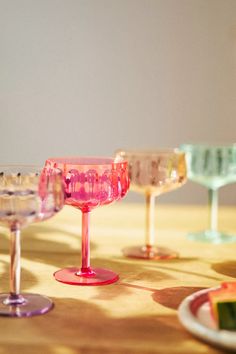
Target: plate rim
x=217 y=337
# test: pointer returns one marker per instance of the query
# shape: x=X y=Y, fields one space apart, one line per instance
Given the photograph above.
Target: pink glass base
x=98 y=276
x=149 y=252
x=32 y=305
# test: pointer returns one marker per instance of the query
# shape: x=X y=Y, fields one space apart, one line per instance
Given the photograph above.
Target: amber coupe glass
x=153 y=173
x=90 y=182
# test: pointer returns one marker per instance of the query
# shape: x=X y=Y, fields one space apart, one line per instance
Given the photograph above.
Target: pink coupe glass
x=89 y=183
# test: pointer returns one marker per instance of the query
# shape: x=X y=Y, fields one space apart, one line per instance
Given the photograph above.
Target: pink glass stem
x=85 y=269
x=150 y=229
x=14 y=297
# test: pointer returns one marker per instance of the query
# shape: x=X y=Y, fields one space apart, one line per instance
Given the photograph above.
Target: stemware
x=27 y=194
x=213 y=167
x=153 y=173
x=90 y=182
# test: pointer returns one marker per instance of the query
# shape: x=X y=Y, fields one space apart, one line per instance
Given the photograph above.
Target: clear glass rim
x=98 y=161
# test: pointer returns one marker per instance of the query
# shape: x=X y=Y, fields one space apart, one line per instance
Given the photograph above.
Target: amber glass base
x=149 y=252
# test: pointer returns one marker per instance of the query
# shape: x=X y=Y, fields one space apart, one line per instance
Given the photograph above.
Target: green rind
x=227 y=315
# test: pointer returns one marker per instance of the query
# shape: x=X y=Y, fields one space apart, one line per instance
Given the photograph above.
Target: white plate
x=194 y=314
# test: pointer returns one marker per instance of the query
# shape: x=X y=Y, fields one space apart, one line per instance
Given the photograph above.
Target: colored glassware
x=153 y=173
x=27 y=194
x=212 y=167
x=90 y=182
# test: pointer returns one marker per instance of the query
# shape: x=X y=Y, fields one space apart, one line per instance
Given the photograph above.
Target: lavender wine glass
x=27 y=194
x=90 y=182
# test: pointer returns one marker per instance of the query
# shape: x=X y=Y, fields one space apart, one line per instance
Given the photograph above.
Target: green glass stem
x=150 y=213
x=213 y=209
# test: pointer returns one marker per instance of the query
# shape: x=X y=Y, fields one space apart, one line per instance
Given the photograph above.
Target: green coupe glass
x=213 y=167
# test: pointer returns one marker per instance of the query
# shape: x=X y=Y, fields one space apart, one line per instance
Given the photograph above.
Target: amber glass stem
x=150 y=229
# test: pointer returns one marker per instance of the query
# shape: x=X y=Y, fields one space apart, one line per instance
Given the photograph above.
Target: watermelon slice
x=223 y=305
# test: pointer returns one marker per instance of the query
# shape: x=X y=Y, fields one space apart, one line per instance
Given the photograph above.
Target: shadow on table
x=168 y=297
x=226 y=268
x=83 y=327
x=28 y=279
x=172 y=297
x=128 y=273
x=35 y=247
x=134 y=274
x=187 y=272
x=166 y=265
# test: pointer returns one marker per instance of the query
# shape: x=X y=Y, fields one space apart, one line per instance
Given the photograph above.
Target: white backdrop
x=89 y=76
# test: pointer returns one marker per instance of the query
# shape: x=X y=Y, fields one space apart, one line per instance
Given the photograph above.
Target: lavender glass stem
x=14 y=297
x=150 y=230
x=15 y=267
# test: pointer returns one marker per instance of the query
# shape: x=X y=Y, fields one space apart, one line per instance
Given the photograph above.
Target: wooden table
x=138 y=314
